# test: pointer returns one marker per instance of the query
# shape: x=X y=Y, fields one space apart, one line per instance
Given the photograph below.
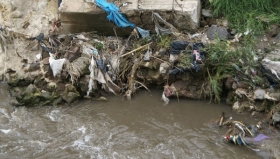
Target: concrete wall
x=79 y=16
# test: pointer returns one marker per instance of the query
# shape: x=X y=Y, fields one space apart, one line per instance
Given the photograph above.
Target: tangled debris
x=256 y=137
x=91 y=65
x=57 y=68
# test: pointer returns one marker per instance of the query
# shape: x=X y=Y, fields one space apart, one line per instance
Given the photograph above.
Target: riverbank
x=50 y=68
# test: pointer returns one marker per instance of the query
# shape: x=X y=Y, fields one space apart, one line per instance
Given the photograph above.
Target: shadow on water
x=140 y=128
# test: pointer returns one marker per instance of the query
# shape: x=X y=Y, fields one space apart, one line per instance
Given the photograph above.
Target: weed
x=248 y=14
x=223 y=61
x=163 y=41
x=98 y=46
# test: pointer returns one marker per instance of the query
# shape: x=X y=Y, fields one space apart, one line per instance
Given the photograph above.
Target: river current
x=142 y=128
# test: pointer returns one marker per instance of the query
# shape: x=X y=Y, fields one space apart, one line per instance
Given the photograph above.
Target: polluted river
x=59 y=58
x=117 y=129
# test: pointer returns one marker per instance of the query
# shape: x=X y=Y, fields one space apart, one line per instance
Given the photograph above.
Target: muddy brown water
x=117 y=129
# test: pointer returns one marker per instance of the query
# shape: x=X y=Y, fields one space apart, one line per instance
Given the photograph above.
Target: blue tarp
x=113 y=14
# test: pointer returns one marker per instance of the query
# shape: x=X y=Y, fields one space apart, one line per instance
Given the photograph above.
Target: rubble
x=220 y=32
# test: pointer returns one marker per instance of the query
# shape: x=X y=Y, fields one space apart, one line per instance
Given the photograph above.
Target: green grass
x=248 y=14
x=225 y=61
x=222 y=60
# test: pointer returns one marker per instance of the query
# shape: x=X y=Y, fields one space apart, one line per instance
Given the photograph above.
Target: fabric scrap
x=113 y=14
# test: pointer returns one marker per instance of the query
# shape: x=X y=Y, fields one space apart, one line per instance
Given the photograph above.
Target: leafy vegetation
x=248 y=14
x=225 y=61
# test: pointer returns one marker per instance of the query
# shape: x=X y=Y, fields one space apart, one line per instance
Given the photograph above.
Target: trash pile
x=87 y=65
x=255 y=137
x=67 y=67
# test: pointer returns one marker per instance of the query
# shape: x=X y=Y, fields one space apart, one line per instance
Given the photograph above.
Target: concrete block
x=79 y=15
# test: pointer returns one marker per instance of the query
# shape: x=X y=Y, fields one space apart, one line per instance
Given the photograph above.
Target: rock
x=164 y=68
x=240 y=92
x=242 y=84
x=186 y=89
x=153 y=75
x=173 y=58
x=252 y=107
x=83 y=85
x=47 y=71
x=233 y=31
x=246 y=106
x=273 y=96
x=46 y=94
x=229 y=83
x=73 y=53
x=235 y=106
x=225 y=23
x=71 y=97
x=16 y=14
x=30 y=97
x=240 y=107
x=30 y=89
x=46 y=61
x=45 y=56
x=210 y=21
x=16 y=92
x=273 y=54
x=82 y=65
x=273 y=30
x=162 y=51
x=113 y=45
x=277 y=38
x=13 y=80
x=51 y=87
x=60 y=87
x=276 y=117
x=259 y=94
x=260 y=107
x=230 y=100
x=255 y=113
x=57 y=101
x=34 y=66
x=40 y=83
x=221 y=32
x=148 y=65
x=70 y=93
x=266 y=84
x=234 y=85
x=20 y=79
x=206 y=13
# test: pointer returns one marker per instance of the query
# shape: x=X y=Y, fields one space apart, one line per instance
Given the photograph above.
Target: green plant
x=163 y=41
x=248 y=14
x=225 y=61
x=98 y=45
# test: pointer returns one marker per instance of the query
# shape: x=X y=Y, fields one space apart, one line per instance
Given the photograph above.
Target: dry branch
x=139 y=48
